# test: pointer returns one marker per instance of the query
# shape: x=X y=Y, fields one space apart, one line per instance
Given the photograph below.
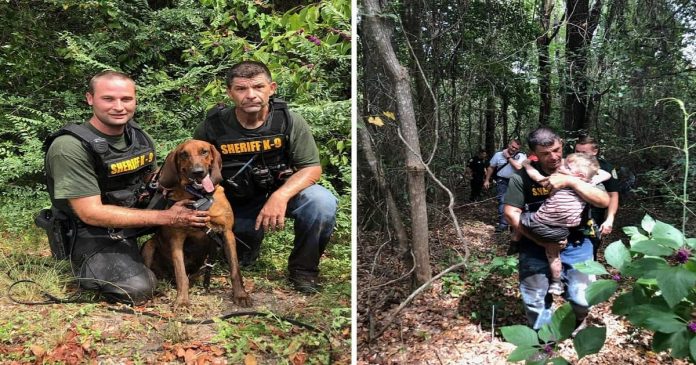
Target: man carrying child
x=525 y=194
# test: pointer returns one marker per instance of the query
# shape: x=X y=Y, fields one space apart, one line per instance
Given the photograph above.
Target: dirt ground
x=99 y=332
x=444 y=327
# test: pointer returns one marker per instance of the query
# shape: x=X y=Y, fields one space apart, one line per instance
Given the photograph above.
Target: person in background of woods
x=603 y=217
x=477 y=171
x=502 y=167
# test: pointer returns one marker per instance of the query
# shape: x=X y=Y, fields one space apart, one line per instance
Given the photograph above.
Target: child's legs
x=553 y=254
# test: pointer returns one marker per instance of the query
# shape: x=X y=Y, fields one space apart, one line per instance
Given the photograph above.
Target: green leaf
x=645 y=267
x=600 y=291
x=589 y=341
x=522 y=353
x=691 y=242
x=632 y=230
x=650 y=248
x=617 y=255
x=520 y=335
x=675 y=283
x=692 y=348
x=680 y=343
x=559 y=361
x=667 y=232
x=546 y=334
x=590 y=267
x=623 y=304
x=563 y=321
x=656 y=318
x=648 y=223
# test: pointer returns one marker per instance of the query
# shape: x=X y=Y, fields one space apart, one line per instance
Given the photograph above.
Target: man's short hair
x=542 y=136
x=587 y=139
x=247 y=70
x=516 y=140
x=110 y=74
x=585 y=163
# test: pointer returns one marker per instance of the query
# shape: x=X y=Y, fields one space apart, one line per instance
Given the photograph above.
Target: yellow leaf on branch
x=376 y=121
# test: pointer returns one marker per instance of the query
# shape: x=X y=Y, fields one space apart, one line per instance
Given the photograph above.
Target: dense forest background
x=440 y=79
x=177 y=51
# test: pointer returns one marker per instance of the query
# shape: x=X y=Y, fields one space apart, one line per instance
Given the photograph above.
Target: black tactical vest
x=253 y=161
x=120 y=173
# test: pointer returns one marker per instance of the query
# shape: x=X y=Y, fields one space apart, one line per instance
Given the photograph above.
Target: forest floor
x=99 y=332
x=450 y=323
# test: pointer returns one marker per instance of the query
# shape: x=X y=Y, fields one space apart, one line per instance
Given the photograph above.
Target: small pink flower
x=616 y=277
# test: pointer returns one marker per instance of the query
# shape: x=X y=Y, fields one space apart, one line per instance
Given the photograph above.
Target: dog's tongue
x=208 y=184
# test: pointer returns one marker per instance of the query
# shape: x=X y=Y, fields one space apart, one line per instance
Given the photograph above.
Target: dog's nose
x=198 y=171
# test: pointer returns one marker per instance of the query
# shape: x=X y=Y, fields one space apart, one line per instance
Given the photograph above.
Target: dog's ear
x=216 y=166
x=169 y=173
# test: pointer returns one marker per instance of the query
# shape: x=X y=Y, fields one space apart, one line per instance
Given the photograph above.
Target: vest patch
x=131 y=164
x=540 y=191
x=262 y=144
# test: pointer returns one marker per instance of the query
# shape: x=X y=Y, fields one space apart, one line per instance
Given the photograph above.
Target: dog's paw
x=181 y=303
x=242 y=300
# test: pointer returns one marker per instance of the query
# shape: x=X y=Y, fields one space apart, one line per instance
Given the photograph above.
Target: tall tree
x=582 y=22
x=379 y=34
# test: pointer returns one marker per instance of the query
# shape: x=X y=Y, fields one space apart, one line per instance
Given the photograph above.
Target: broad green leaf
x=656 y=318
x=559 y=361
x=563 y=321
x=589 y=341
x=667 y=242
x=590 y=267
x=522 y=353
x=547 y=334
x=520 y=335
x=691 y=242
x=675 y=283
x=617 y=255
x=667 y=232
x=645 y=266
x=648 y=223
x=692 y=348
x=650 y=248
x=661 y=341
x=631 y=230
x=600 y=291
x=679 y=342
x=623 y=304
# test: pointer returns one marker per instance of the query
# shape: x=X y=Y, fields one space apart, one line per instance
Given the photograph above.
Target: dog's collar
x=203 y=202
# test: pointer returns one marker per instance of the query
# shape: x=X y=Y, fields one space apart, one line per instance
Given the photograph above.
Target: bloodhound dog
x=192 y=171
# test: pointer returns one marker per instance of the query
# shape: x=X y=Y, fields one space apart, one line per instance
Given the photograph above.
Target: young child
x=561 y=210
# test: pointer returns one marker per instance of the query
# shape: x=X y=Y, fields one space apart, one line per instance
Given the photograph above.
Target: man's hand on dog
x=272 y=215
x=180 y=215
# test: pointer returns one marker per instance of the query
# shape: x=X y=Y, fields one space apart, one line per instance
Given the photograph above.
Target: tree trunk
x=504 y=117
x=378 y=32
x=544 y=70
x=579 y=31
x=490 y=124
x=365 y=145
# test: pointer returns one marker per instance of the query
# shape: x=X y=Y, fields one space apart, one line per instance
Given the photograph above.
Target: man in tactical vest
x=270 y=166
x=525 y=194
x=603 y=217
x=96 y=175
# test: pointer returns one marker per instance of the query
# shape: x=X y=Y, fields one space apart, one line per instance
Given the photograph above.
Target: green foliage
x=177 y=55
x=541 y=347
x=663 y=296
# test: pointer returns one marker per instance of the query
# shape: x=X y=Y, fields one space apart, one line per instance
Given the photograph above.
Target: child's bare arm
x=601 y=176
x=531 y=171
